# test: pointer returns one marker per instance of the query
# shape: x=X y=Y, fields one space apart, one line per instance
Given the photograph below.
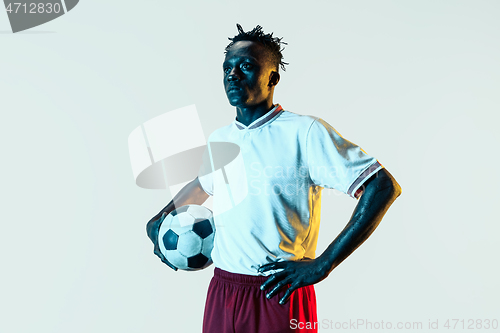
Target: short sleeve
x=205 y=174
x=335 y=162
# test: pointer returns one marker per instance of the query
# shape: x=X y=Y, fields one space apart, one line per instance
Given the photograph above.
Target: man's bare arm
x=191 y=194
x=379 y=193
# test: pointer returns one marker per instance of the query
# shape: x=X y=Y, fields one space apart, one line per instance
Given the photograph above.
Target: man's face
x=247 y=74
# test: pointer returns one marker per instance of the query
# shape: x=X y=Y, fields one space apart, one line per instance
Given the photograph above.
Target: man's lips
x=233 y=88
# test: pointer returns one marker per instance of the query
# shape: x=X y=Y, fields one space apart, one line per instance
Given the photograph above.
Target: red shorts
x=235 y=304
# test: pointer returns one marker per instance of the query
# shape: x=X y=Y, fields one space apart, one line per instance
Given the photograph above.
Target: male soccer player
x=266 y=244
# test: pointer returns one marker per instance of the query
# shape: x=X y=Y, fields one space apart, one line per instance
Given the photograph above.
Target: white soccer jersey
x=267 y=199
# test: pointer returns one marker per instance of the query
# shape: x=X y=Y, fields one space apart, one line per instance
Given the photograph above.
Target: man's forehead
x=248 y=49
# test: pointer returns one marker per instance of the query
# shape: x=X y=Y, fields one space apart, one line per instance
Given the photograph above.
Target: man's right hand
x=190 y=194
x=152 y=229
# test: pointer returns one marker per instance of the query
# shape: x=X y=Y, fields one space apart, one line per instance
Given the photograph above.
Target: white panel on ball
x=189 y=244
x=176 y=258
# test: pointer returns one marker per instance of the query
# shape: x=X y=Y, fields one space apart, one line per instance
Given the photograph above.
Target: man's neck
x=247 y=115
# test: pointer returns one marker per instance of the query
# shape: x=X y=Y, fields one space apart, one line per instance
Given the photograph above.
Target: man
x=266 y=244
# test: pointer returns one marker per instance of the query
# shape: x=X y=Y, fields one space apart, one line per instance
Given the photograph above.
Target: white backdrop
x=414 y=83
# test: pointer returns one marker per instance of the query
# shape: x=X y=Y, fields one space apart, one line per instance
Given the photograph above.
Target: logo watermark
x=170 y=150
x=371 y=325
x=25 y=15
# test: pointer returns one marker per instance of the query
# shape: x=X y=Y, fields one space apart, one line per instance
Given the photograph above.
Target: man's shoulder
x=291 y=119
x=293 y=116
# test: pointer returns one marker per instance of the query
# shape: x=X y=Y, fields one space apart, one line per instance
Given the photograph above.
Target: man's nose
x=233 y=75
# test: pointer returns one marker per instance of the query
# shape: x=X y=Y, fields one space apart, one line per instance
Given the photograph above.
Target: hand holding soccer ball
x=185 y=238
x=152 y=230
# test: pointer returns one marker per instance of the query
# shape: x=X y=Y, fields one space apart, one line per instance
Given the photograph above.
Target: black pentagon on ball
x=197 y=261
x=202 y=228
x=170 y=240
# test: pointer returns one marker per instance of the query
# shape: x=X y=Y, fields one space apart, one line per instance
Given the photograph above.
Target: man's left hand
x=296 y=274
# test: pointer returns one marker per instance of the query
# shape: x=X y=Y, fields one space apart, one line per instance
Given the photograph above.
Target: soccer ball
x=186 y=237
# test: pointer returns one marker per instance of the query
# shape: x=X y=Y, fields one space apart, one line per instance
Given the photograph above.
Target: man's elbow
x=384 y=182
x=393 y=184
x=396 y=189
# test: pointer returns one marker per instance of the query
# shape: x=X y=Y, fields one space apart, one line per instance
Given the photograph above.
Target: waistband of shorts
x=249 y=280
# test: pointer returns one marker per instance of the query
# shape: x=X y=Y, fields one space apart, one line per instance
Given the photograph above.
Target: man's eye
x=226 y=70
x=247 y=66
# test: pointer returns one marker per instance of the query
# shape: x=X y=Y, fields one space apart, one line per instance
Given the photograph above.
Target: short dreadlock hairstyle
x=272 y=44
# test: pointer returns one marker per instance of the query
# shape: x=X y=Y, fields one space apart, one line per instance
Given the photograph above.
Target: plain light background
x=414 y=83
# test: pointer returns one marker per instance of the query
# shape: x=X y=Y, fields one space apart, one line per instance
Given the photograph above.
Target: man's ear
x=274 y=78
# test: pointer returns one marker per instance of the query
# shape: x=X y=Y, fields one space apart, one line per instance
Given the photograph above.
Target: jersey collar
x=262 y=120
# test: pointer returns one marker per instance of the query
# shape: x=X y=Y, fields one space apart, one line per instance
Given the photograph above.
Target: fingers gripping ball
x=186 y=237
